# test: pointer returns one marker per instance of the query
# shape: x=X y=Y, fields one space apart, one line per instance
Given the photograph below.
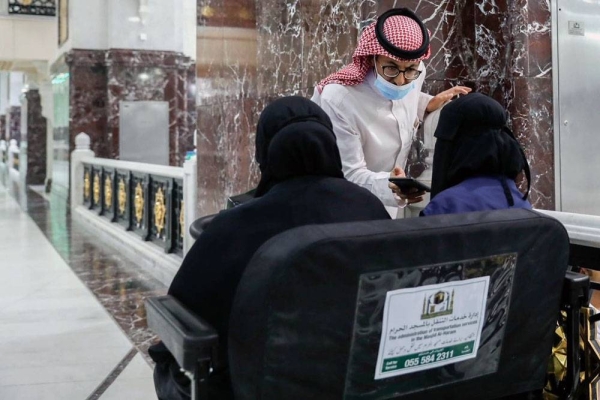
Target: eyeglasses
x=391 y=71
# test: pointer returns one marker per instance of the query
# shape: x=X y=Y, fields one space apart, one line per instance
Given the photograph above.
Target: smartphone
x=405 y=184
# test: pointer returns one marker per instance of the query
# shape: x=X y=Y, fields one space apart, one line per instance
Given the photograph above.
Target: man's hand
x=404 y=198
x=441 y=98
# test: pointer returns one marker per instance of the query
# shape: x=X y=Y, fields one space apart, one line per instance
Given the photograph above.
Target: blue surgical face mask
x=391 y=91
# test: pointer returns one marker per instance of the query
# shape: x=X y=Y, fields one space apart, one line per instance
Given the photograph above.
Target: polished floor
x=72 y=322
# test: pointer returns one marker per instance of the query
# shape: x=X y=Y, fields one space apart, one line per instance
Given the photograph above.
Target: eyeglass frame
x=403 y=72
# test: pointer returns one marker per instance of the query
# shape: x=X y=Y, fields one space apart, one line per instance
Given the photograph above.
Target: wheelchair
x=463 y=306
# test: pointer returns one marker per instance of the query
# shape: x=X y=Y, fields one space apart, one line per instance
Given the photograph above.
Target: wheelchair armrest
x=576 y=290
x=188 y=337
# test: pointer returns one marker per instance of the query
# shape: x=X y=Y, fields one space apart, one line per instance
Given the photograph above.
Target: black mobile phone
x=405 y=184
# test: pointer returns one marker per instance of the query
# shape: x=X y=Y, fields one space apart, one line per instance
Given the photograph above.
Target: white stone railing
x=3 y=162
x=155 y=203
x=14 y=168
x=583 y=229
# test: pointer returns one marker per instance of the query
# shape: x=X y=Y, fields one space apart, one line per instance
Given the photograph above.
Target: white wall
x=27 y=39
x=16 y=81
x=168 y=25
x=188 y=27
x=88 y=27
x=105 y=24
x=3 y=92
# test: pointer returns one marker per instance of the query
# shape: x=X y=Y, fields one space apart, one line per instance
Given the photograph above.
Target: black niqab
x=473 y=140
x=275 y=117
x=304 y=148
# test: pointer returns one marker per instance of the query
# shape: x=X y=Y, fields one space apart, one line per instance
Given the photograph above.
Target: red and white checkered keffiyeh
x=403 y=32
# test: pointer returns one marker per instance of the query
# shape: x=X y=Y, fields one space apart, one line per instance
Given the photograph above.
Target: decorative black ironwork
x=96 y=202
x=140 y=204
x=108 y=193
x=179 y=216
x=16 y=161
x=44 y=8
x=122 y=192
x=87 y=186
x=149 y=205
x=161 y=212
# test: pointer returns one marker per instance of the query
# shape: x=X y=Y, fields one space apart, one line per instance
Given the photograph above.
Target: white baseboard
x=145 y=255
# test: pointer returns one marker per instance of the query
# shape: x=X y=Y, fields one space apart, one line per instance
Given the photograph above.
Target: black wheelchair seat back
x=457 y=306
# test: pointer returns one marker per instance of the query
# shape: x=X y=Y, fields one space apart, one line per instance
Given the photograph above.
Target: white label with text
x=430 y=326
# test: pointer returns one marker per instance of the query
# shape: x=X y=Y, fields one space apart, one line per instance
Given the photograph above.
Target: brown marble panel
x=226 y=166
x=3 y=127
x=99 y=80
x=492 y=38
x=135 y=75
x=330 y=35
x=14 y=123
x=532 y=42
x=279 y=47
x=89 y=99
x=36 y=139
x=186 y=114
x=532 y=116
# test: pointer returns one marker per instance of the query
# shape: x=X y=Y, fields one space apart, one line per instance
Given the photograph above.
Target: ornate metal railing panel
x=108 y=209
x=139 y=198
x=123 y=199
x=179 y=206
x=44 y=8
x=147 y=204
x=161 y=196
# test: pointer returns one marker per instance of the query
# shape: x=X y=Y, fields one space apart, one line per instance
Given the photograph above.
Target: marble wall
x=502 y=49
x=154 y=76
x=36 y=139
x=100 y=79
x=14 y=123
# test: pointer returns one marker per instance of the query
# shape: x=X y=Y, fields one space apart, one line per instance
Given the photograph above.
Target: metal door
x=144 y=131
x=578 y=121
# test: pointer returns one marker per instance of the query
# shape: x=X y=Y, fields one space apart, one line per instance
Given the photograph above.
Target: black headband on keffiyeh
x=414 y=39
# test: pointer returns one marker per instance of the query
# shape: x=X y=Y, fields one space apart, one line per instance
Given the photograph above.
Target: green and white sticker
x=430 y=326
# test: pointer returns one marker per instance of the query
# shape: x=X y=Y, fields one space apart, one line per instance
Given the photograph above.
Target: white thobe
x=374 y=134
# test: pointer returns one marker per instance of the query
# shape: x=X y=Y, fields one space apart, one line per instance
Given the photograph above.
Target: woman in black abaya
x=301 y=183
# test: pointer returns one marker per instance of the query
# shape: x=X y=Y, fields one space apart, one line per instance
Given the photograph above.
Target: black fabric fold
x=275 y=117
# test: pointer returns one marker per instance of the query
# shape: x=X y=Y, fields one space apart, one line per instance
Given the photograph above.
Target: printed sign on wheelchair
x=431 y=326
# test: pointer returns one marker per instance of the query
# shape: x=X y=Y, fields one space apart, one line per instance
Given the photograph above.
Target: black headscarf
x=311 y=153
x=473 y=140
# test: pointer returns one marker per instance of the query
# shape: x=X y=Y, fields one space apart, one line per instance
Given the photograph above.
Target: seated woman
x=476 y=159
x=301 y=183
